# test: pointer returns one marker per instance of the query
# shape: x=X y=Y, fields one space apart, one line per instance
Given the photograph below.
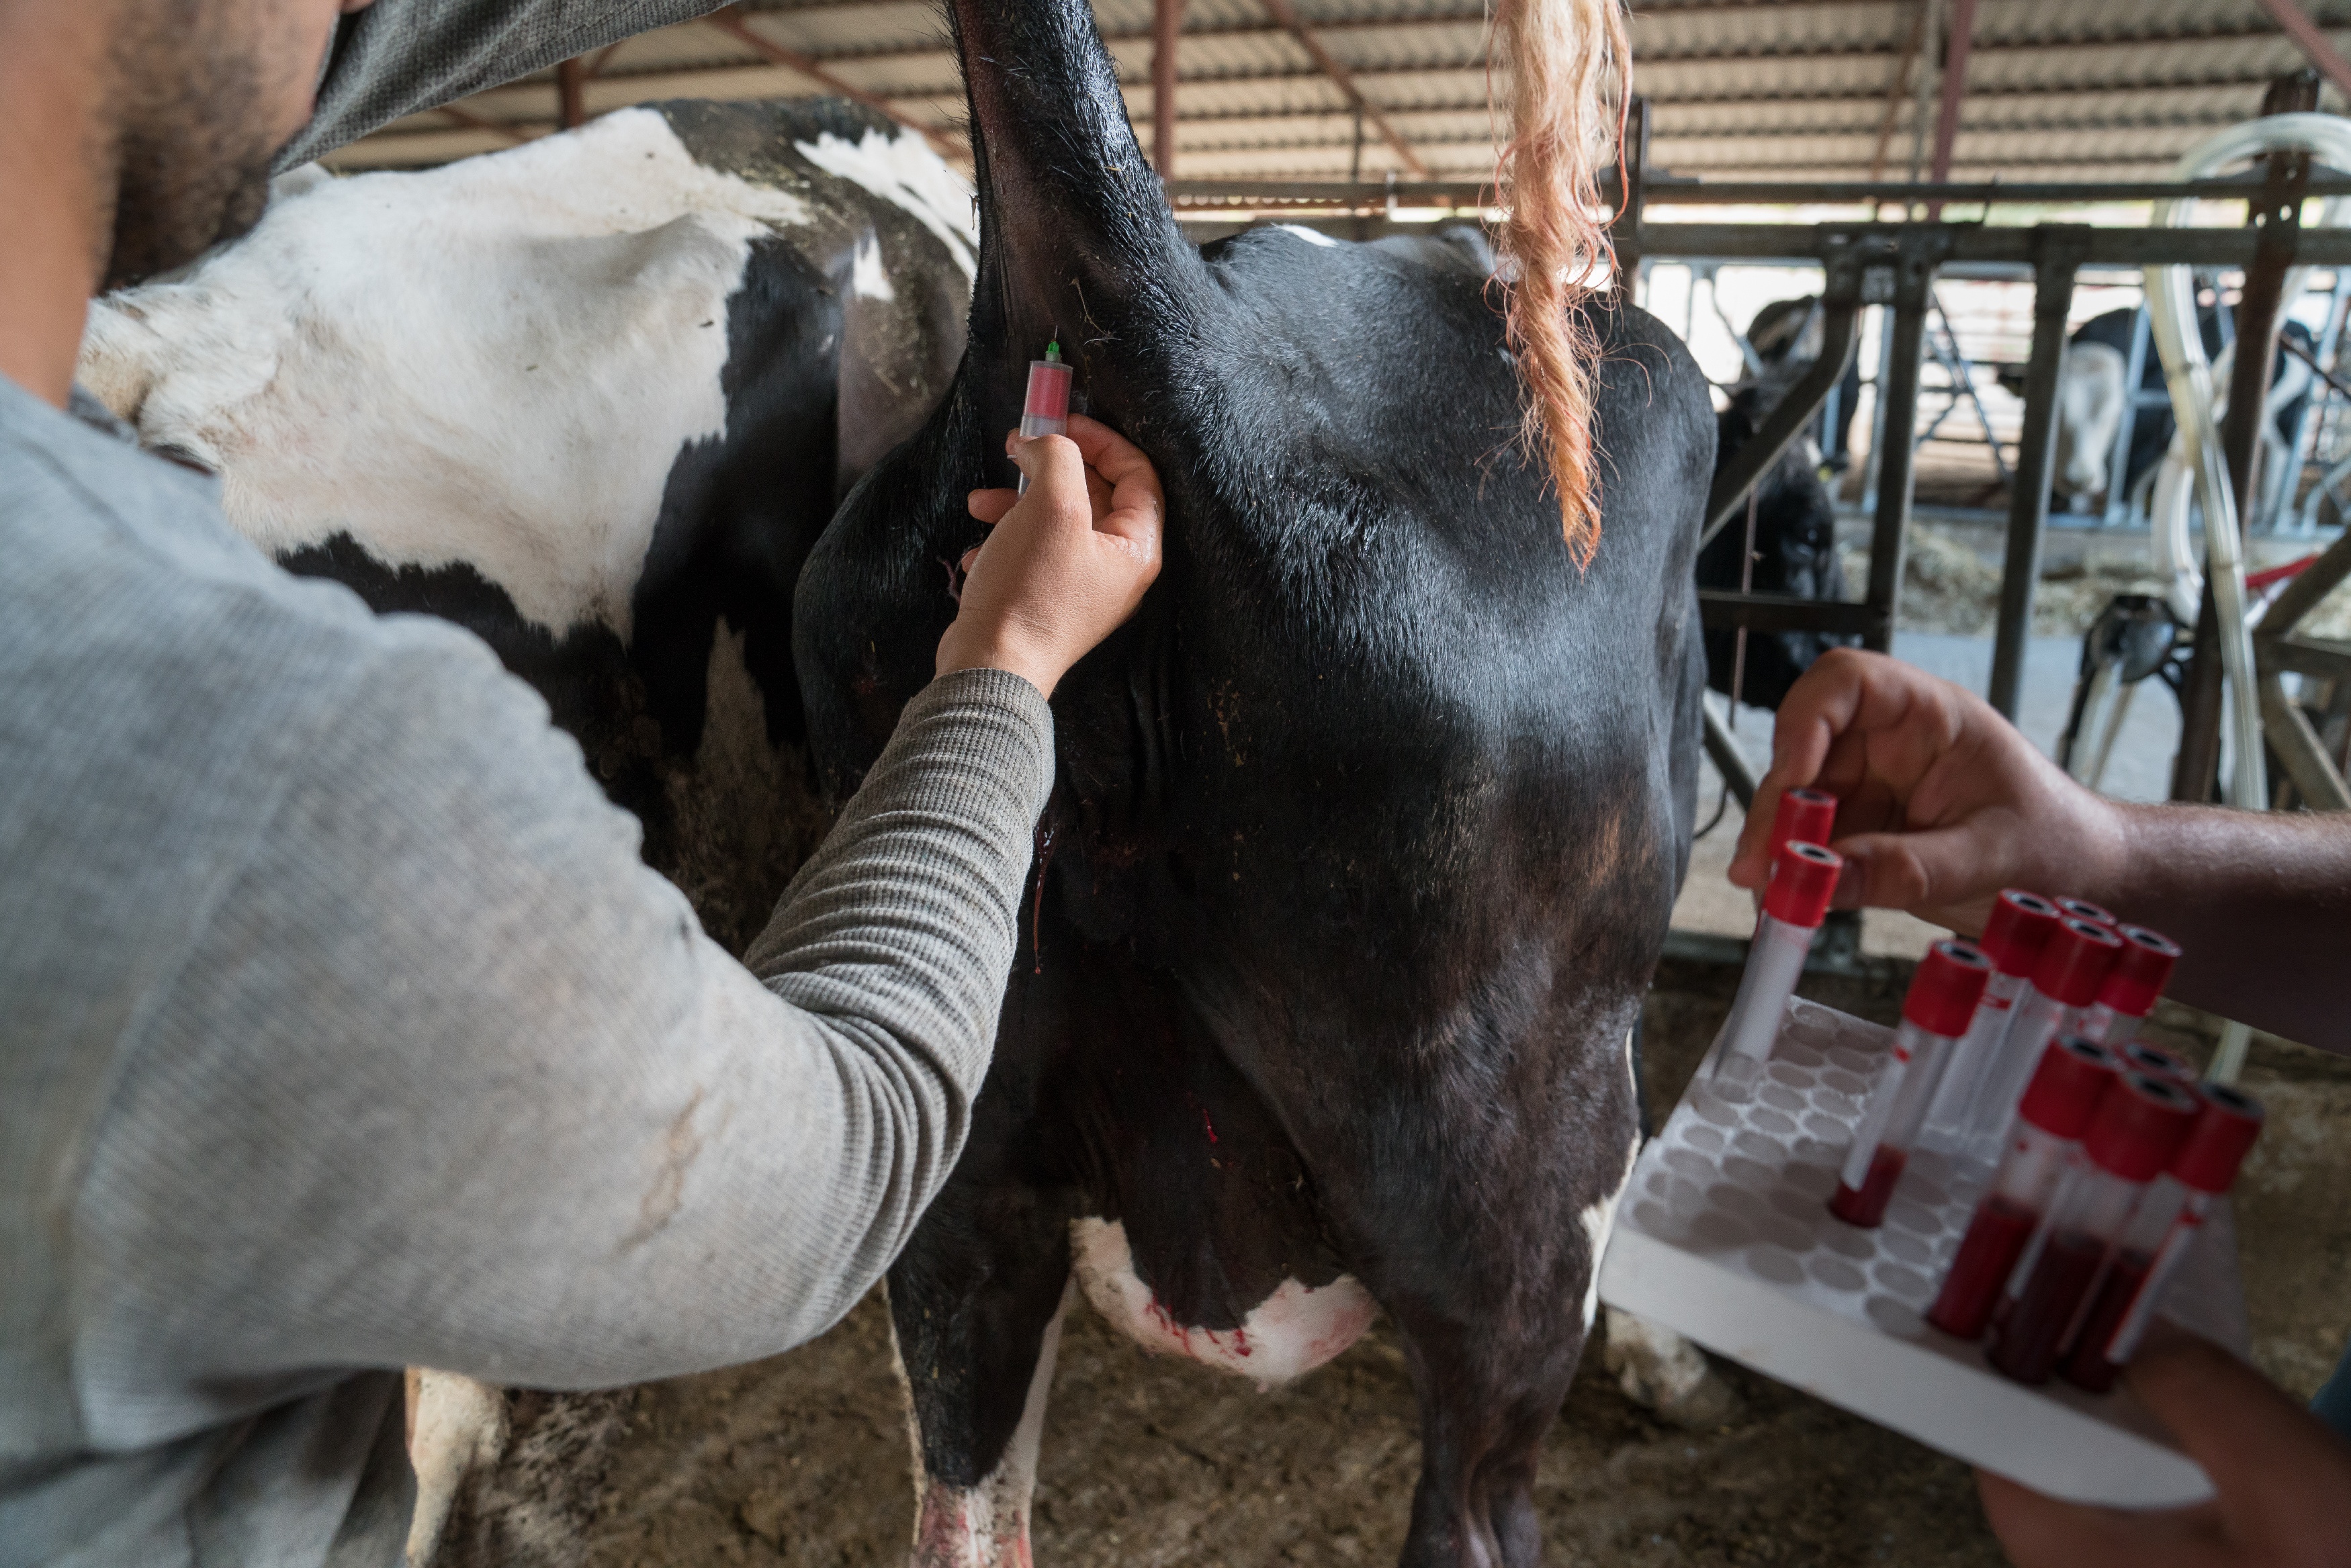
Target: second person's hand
x=1941 y=802
x=1063 y=565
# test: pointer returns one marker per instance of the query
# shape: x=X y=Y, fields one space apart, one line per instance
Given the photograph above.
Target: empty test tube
x=2139 y=1125
x=2066 y=979
x=2073 y=1077
x=2142 y=969
x=1795 y=902
x=1942 y=999
x=2158 y=1236
x=2013 y=936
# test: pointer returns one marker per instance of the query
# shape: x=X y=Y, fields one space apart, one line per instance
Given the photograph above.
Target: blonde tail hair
x=1566 y=59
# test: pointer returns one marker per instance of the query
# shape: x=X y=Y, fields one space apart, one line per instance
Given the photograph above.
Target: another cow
x=1366 y=830
x=1795 y=552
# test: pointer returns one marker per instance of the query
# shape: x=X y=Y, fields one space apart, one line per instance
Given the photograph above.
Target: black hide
x=1366 y=829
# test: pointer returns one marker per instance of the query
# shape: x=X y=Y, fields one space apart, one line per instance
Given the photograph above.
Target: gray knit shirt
x=341 y=1029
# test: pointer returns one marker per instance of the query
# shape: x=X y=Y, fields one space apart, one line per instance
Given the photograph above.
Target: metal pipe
x=1955 y=88
x=1734 y=193
x=1922 y=248
x=2027 y=497
x=572 y=93
x=1729 y=759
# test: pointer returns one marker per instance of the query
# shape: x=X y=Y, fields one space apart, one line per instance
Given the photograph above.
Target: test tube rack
x=1724 y=1235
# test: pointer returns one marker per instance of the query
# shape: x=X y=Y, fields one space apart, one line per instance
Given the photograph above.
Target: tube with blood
x=2013 y=936
x=2138 y=1126
x=1944 y=992
x=2161 y=1234
x=1045 y=409
x=2073 y=1075
x=2065 y=979
x=1795 y=902
x=2128 y=994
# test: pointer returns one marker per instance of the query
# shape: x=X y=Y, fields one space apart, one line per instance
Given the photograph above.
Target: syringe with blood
x=1944 y=991
x=2160 y=1235
x=2073 y=1075
x=2065 y=979
x=1045 y=409
x=2013 y=935
x=2142 y=969
x=2138 y=1126
x=1795 y=902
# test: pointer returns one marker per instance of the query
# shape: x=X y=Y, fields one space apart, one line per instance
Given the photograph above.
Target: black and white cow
x=593 y=399
x=1795 y=553
x=1365 y=834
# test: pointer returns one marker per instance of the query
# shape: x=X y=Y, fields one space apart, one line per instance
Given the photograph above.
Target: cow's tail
x=1569 y=66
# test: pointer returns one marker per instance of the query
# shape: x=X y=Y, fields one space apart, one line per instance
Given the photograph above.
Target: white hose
x=2171 y=311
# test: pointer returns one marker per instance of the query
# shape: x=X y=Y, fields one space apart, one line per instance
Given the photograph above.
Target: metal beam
x=571 y=93
x=2311 y=42
x=1955 y=90
x=2060 y=246
x=1284 y=13
x=1167 y=20
x=1901 y=88
x=730 y=22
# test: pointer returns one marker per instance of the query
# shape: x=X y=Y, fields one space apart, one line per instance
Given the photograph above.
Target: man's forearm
x=2259 y=902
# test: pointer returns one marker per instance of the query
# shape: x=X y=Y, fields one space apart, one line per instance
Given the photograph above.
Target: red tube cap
x=1803 y=878
x=2018 y=930
x=2074 y=963
x=1049 y=389
x=2073 y=1076
x=1806 y=815
x=2226 y=1126
x=2141 y=970
x=1946 y=986
x=2083 y=910
x=2141 y=1057
x=2139 y=1125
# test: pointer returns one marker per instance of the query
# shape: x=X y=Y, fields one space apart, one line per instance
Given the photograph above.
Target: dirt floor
x=803 y=1459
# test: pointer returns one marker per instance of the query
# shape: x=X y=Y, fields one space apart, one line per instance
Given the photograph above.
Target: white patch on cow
x=904 y=172
x=371 y=360
x=1599 y=1220
x=455 y=1425
x=1288 y=1335
x=868 y=278
x=1312 y=236
x=984 y=1526
x=2091 y=406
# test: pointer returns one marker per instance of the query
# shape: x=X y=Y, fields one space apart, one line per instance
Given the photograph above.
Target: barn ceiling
x=2056 y=89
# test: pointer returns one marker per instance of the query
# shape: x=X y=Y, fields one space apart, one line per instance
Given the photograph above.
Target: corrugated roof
x=2056 y=88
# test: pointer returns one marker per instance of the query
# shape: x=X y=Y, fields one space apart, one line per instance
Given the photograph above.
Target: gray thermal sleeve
x=399 y=56
x=452 y=1079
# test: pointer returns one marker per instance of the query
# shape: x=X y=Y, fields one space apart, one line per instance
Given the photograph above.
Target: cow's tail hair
x=1569 y=64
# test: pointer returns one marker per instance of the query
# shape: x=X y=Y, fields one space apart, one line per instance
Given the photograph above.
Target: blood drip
x=2088 y=1368
x=1987 y=1253
x=2030 y=1339
x=1865 y=1206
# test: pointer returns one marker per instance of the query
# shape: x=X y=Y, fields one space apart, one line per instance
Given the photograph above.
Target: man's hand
x=1940 y=803
x=1066 y=564
x=2283 y=1479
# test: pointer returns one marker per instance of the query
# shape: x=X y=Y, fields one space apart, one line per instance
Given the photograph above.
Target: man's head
x=198 y=96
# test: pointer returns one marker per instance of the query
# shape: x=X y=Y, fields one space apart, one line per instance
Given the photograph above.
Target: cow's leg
x=455 y=1423
x=976 y=1307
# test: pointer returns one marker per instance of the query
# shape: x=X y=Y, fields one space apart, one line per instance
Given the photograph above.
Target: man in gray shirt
x=340 y=1026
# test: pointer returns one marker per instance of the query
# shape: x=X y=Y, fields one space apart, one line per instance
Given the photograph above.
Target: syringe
x=1045 y=409
x=2073 y=1075
x=1795 y=902
x=1944 y=991
x=2072 y=964
x=2161 y=1232
x=2139 y=1125
x=2013 y=935
x=2128 y=994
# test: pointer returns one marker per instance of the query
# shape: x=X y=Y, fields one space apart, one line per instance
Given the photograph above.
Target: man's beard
x=192 y=165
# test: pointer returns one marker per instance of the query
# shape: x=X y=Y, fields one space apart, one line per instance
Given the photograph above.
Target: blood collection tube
x=2138 y=1056
x=2138 y=1126
x=2128 y=994
x=2073 y=1077
x=2065 y=979
x=2083 y=910
x=1806 y=815
x=1795 y=902
x=2161 y=1234
x=1942 y=999
x=1046 y=410
x=2013 y=936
